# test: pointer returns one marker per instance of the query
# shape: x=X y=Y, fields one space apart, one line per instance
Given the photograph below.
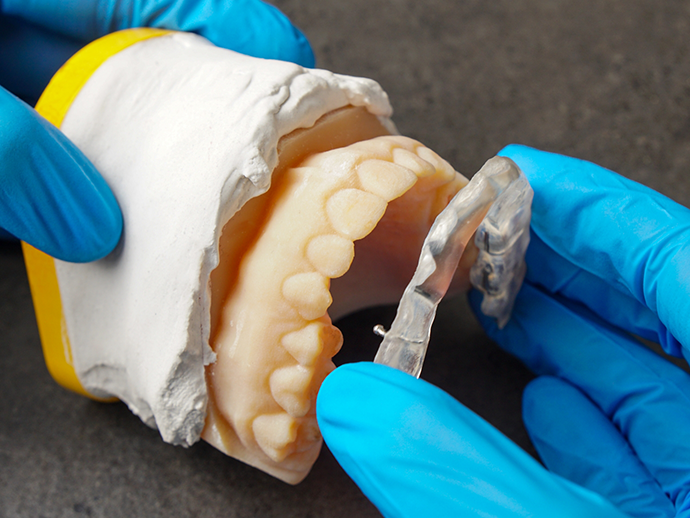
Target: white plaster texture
x=184 y=133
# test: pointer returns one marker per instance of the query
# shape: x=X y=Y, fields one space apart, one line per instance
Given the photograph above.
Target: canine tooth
x=411 y=161
x=385 y=179
x=330 y=254
x=274 y=434
x=446 y=170
x=354 y=213
x=289 y=386
x=308 y=292
x=306 y=345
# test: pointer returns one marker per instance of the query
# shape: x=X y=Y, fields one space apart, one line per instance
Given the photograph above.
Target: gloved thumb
x=51 y=196
x=415 y=451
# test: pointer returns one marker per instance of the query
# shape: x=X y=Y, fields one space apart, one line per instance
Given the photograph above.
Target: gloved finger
x=415 y=451
x=30 y=56
x=646 y=397
x=51 y=196
x=577 y=441
x=251 y=27
x=620 y=231
x=558 y=275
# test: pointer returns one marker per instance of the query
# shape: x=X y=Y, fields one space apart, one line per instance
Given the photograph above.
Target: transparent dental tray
x=500 y=197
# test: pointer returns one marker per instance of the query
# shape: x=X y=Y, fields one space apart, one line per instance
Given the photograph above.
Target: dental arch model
x=212 y=318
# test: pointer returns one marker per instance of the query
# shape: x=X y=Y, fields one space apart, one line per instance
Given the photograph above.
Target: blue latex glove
x=251 y=27
x=608 y=257
x=415 y=451
x=50 y=195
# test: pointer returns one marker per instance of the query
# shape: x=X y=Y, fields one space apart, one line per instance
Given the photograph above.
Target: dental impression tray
x=499 y=191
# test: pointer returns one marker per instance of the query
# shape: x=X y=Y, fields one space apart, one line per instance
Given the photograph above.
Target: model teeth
x=290 y=389
x=309 y=429
x=382 y=147
x=308 y=292
x=411 y=161
x=284 y=276
x=355 y=213
x=444 y=170
x=385 y=179
x=331 y=255
x=273 y=434
x=307 y=344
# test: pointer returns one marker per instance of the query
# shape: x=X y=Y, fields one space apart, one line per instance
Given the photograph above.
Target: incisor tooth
x=354 y=213
x=289 y=387
x=385 y=179
x=306 y=345
x=274 y=433
x=308 y=293
x=331 y=254
x=414 y=163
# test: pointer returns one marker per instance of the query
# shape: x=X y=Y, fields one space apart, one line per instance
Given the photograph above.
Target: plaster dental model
x=212 y=318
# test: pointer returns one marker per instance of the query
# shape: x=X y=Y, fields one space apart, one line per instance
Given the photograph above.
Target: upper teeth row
x=328 y=202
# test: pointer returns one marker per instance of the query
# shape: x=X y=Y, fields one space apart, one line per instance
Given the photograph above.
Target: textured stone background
x=605 y=81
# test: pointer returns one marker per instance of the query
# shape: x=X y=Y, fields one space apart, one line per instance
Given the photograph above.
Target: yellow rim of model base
x=45 y=291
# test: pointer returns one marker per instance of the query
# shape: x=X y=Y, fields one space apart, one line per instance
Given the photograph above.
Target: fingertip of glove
x=103 y=233
x=540 y=394
x=52 y=197
x=348 y=387
x=90 y=223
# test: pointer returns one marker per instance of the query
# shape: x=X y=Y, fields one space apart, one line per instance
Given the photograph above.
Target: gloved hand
x=31 y=53
x=608 y=257
x=601 y=245
x=50 y=195
x=415 y=451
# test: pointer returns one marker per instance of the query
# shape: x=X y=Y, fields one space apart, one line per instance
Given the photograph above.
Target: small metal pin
x=379 y=330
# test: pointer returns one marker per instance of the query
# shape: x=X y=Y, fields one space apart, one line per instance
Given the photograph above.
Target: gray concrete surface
x=605 y=81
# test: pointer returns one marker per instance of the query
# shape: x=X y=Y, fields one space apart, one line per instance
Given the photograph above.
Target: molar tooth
x=381 y=147
x=306 y=345
x=411 y=161
x=330 y=254
x=275 y=433
x=385 y=179
x=289 y=388
x=308 y=292
x=355 y=213
x=443 y=167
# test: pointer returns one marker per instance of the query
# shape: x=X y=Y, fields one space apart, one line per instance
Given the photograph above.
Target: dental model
x=212 y=318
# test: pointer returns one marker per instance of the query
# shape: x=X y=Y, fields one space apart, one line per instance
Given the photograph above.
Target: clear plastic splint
x=497 y=203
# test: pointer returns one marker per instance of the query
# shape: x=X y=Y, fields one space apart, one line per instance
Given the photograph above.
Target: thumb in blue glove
x=50 y=194
x=415 y=451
